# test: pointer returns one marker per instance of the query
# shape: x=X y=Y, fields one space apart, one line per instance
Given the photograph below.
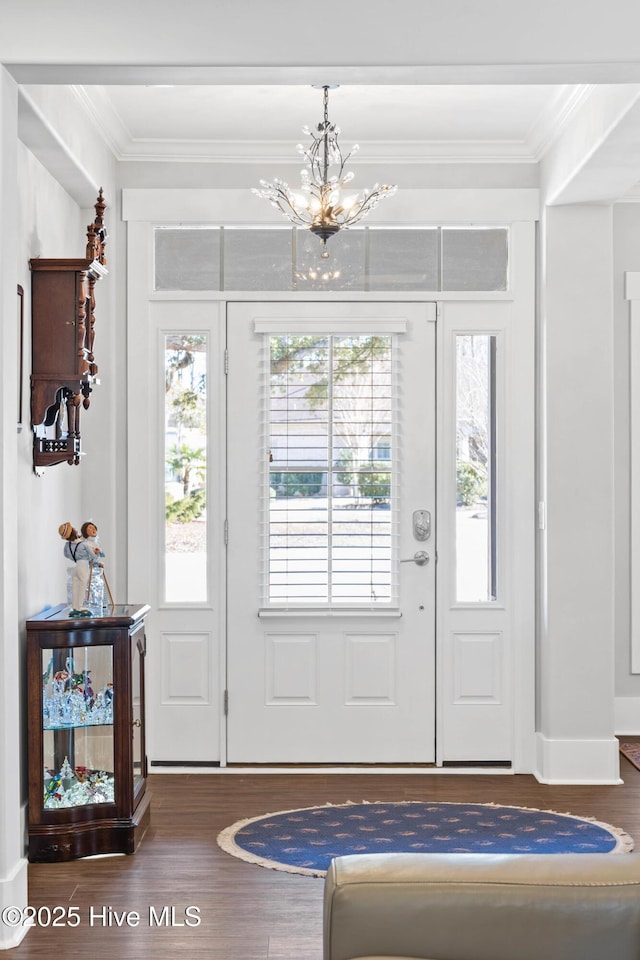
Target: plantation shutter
x=331 y=465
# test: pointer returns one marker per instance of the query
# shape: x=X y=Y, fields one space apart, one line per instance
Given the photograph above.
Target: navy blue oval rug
x=306 y=840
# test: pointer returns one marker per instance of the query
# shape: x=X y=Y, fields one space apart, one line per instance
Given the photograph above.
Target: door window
x=331 y=478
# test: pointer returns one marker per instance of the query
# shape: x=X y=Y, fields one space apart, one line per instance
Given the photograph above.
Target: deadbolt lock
x=421 y=524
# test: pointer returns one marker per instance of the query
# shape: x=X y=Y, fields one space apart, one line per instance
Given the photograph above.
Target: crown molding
x=550 y=125
x=99 y=108
x=372 y=152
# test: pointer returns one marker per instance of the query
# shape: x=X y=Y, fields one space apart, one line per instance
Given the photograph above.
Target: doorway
x=397 y=662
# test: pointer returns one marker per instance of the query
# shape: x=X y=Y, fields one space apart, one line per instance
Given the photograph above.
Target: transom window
x=441 y=258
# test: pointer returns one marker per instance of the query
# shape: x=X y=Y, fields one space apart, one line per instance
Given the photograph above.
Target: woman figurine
x=83 y=553
x=89 y=533
x=95 y=587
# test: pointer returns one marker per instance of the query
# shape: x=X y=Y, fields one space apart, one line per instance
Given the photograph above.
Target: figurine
x=95 y=587
x=66 y=776
x=89 y=533
x=82 y=554
x=83 y=549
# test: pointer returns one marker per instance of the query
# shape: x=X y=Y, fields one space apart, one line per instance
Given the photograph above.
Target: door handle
x=421 y=557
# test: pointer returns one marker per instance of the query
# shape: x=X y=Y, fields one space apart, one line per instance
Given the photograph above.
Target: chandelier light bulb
x=318 y=206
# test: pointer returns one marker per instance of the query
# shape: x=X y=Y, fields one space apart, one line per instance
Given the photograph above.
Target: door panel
x=176 y=511
x=330 y=647
x=483 y=495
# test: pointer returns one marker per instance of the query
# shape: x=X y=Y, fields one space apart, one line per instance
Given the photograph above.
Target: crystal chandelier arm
x=286 y=206
x=280 y=197
x=366 y=203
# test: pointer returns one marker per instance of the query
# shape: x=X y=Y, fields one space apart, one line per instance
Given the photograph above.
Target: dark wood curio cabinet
x=63 y=365
x=87 y=760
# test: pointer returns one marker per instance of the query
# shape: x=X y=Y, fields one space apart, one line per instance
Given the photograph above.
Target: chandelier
x=320 y=205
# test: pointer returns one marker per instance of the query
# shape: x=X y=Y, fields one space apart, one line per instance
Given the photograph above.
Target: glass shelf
x=79 y=708
x=77 y=726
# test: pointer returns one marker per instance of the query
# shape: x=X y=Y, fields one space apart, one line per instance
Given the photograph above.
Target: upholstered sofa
x=477 y=907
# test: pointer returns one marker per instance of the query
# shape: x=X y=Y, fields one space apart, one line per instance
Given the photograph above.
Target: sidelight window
x=185 y=461
x=476 y=486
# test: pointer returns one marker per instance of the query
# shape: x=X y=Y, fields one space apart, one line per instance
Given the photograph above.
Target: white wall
x=626 y=220
x=50 y=225
x=39 y=219
x=54 y=223
x=13 y=874
x=576 y=624
x=228 y=176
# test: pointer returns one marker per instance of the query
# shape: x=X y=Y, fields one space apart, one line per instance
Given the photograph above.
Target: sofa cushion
x=483 y=907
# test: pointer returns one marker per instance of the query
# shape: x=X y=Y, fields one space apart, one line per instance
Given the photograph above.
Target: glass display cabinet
x=87 y=760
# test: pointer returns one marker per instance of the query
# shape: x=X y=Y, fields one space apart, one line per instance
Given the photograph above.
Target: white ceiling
x=512 y=123
x=431 y=85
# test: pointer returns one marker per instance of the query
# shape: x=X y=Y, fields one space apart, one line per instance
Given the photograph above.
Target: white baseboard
x=627 y=716
x=577 y=761
x=13 y=893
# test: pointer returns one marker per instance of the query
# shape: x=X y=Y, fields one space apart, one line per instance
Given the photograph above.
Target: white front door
x=331 y=553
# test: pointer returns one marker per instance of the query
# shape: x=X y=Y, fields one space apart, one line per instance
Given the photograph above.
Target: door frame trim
x=522 y=294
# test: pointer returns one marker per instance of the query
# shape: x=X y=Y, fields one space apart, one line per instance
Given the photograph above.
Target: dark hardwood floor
x=246 y=911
